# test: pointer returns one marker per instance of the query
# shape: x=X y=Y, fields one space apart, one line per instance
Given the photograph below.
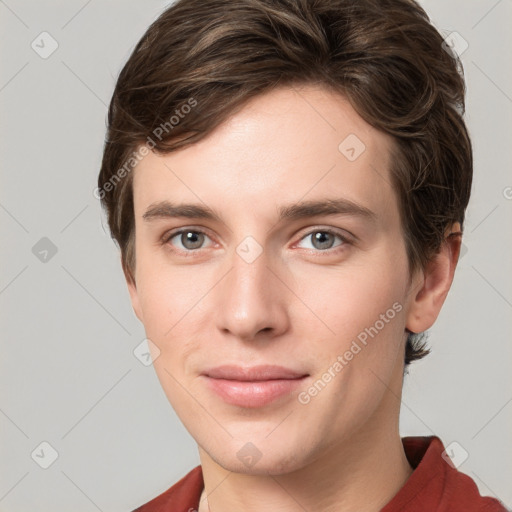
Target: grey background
x=68 y=372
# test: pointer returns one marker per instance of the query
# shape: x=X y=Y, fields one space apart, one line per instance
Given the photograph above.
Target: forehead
x=287 y=145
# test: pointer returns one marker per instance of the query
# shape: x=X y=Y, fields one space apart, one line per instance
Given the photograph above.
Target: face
x=323 y=293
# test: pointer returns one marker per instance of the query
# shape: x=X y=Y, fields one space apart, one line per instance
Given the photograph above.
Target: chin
x=251 y=460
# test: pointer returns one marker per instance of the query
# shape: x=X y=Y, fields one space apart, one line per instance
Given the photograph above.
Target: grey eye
x=322 y=240
x=189 y=239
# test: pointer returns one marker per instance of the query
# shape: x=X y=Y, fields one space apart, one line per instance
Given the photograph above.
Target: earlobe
x=429 y=292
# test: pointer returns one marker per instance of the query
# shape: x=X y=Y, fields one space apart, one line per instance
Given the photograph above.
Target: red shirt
x=434 y=486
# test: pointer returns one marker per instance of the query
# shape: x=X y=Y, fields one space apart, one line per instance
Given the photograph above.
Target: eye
x=190 y=239
x=323 y=239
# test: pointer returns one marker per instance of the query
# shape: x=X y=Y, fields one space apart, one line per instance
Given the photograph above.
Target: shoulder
x=436 y=484
x=461 y=490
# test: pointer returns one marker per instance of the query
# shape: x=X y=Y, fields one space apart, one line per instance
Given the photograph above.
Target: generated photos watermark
x=136 y=156
x=305 y=397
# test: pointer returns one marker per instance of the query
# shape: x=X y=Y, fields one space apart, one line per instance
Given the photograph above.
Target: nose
x=251 y=300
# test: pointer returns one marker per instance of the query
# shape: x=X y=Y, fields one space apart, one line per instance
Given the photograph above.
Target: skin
x=298 y=304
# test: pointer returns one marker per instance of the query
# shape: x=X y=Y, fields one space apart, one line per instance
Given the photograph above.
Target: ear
x=132 y=289
x=437 y=280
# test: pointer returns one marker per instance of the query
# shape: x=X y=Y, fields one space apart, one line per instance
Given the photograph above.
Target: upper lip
x=254 y=373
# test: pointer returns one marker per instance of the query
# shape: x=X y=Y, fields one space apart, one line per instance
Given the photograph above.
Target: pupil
x=189 y=239
x=320 y=237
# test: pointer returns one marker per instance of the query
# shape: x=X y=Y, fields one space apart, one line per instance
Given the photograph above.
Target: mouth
x=253 y=387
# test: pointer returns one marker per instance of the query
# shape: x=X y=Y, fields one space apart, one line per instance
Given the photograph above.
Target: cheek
x=163 y=289
x=363 y=308
x=352 y=296
x=170 y=298
x=358 y=303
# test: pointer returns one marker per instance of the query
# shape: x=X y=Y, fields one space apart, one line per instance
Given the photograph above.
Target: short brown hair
x=384 y=56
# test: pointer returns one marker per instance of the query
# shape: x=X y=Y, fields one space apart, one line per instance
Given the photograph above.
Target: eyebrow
x=296 y=211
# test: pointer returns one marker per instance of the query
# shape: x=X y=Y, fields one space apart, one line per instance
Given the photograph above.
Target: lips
x=253 y=374
x=253 y=387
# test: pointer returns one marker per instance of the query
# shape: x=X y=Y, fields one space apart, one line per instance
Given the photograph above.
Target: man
x=287 y=182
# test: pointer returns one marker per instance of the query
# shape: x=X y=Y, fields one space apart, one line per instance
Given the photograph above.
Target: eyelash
x=190 y=253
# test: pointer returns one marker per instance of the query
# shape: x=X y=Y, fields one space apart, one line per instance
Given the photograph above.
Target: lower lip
x=253 y=394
